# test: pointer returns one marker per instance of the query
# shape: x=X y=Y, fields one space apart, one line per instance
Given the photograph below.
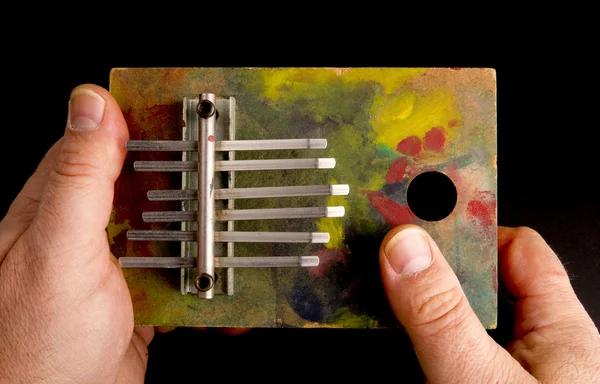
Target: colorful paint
x=384 y=127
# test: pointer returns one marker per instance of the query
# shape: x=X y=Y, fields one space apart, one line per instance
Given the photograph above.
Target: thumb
x=426 y=296
x=76 y=204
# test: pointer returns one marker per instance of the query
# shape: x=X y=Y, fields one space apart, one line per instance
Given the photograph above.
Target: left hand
x=65 y=309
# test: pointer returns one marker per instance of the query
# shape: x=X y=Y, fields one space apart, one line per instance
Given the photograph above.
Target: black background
x=547 y=170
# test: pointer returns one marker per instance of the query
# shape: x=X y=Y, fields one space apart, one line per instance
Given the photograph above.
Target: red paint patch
x=211 y=138
x=396 y=171
x=410 y=146
x=454 y=123
x=394 y=213
x=327 y=259
x=161 y=123
x=434 y=139
x=482 y=209
x=183 y=123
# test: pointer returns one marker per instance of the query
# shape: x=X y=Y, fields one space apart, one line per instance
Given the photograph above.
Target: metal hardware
x=208 y=212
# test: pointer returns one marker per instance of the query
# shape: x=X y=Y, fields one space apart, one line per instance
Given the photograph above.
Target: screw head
x=205 y=109
x=204 y=282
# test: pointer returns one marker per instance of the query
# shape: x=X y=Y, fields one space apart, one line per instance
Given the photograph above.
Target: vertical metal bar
x=231 y=202
x=189 y=128
x=206 y=203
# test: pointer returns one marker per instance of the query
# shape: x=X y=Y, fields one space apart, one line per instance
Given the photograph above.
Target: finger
x=426 y=296
x=533 y=275
x=164 y=329
x=23 y=209
x=135 y=362
x=145 y=332
x=75 y=207
x=234 y=331
x=547 y=310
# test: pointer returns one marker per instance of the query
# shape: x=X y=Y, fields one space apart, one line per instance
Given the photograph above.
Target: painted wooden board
x=385 y=126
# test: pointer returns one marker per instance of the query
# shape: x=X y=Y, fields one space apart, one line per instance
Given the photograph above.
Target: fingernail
x=408 y=252
x=86 y=110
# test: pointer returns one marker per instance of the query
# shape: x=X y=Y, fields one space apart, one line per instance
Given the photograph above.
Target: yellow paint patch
x=391 y=79
x=405 y=106
x=278 y=82
x=397 y=112
x=113 y=229
x=335 y=226
x=343 y=317
x=409 y=113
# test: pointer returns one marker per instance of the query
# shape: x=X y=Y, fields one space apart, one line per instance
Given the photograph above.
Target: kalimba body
x=258 y=197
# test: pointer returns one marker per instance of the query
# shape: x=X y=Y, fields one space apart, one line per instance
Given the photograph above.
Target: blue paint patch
x=306 y=304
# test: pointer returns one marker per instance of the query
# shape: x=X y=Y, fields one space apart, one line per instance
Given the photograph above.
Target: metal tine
x=266 y=261
x=220 y=262
x=173 y=195
x=276 y=164
x=231 y=237
x=266 y=145
x=246 y=214
x=226 y=145
x=161 y=235
x=162 y=145
x=253 y=193
x=169 y=216
x=236 y=165
x=165 y=166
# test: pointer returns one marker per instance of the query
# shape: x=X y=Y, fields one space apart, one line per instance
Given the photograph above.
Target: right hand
x=555 y=340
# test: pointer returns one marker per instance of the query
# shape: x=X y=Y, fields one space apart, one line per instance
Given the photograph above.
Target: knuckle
x=435 y=311
x=74 y=163
x=29 y=206
x=530 y=243
x=524 y=233
x=24 y=207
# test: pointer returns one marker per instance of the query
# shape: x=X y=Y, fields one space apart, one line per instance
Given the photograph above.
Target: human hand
x=555 y=340
x=65 y=309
